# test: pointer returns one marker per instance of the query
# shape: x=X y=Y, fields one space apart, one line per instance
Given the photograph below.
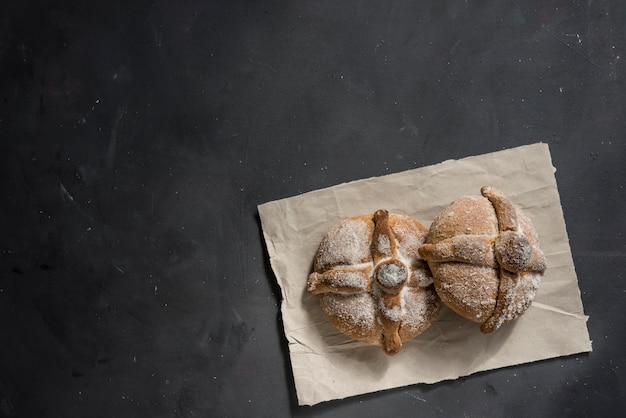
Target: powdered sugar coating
x=354 y=315
x=418 y=307
x=473 y=297
x=393 y=313
x=384 y=245
x=367 y=315
x=518 y=296
x=391 y=274
x=485 y=258
x=347 y=243
x=466 y=215
x=410 y=236
x=421 y=277
x=351 y=279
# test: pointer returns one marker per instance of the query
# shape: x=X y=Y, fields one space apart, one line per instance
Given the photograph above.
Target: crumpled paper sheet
x=328 y=365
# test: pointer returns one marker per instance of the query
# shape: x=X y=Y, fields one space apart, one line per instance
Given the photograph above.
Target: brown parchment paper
x=328 y=365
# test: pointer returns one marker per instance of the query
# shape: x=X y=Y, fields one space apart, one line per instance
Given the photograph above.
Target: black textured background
x=137 y=139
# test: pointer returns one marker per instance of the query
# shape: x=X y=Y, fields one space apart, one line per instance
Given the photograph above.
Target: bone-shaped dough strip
x=341 y=280
x=505 y=211
x=389 y=305
x=472 y=249
x=513 y=301
x=383 y=241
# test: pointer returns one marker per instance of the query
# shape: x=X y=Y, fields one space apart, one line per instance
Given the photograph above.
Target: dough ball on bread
x=485 y=259
x=373 y=284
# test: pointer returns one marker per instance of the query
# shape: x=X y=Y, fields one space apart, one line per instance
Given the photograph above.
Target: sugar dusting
x=421 y=277
x=356 y=312
x=352 y=279
x=475 y=296
x=345 y=244
x=393 y=313
x=383 y=245
x=391 y=275
x=359 y=315
x=419 y=306
x=486 y=281
x=409 y=238
x=518 y=297
x=391 y=308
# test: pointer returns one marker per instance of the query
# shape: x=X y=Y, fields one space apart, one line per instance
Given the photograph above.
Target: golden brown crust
x=472 y=296
x=468 y=215
x=485 y=258
x=373 y=284
x=354 y=315
x=515 y=294
x=346 y=243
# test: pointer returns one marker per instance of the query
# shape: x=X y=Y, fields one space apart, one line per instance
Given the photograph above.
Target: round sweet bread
x=373 y=284
x=485 y=258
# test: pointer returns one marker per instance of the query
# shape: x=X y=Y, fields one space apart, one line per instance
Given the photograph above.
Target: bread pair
x=382 y=277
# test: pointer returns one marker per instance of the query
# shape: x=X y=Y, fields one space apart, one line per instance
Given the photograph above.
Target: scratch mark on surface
x=580 y=40
x=269 y=67
x=110 y=152
x=65 y=194
x=356 y=151
x=580 y=54
x=553 y=36
x=131 y=312
x=415 y=396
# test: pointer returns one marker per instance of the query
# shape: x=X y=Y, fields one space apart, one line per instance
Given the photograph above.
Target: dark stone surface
x=137 y=139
